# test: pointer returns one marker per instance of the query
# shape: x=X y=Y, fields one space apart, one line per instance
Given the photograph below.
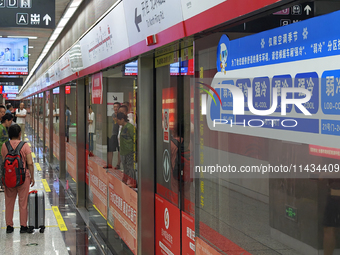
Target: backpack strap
x=19 y=147
x=175 y=141
x=9 y=147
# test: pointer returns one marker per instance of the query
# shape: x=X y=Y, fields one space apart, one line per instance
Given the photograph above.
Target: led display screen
x=56 y=90
x=131 y=68
x=11 y=96
x=13 y=56
x=10 y=89
x=186 y=68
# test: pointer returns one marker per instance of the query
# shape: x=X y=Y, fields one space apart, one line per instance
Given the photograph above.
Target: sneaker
x=91 y=154
x=23 y=229
x=31 y=230
x=9 y=229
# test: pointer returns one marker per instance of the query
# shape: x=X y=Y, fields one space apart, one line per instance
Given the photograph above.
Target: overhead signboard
x=27 y=13
x=11 y=81
x=145 y=18
x=11 y=96
x=10 y=89
x=293 y=14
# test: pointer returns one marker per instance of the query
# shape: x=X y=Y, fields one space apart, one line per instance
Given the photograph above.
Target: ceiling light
x=69 y=12
x=54 y=37
x=21 y=36
x=62 y=22
x=30 y=47
x=76 y=3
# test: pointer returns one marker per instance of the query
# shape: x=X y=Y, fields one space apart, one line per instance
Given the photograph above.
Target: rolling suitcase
x=36 y=210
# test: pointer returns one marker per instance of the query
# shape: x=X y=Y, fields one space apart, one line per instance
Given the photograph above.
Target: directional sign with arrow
x=47 y=19
x=144 y=19
x=293 y=14
x=24 y=16
x=307 y=9
x=138 y=19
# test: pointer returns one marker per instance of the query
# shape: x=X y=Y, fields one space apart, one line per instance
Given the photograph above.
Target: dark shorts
x=112 y=144
x=332 y=212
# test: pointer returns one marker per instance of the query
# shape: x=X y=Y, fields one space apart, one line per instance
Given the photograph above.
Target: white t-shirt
x=54 y=118
x=20 y=120
x=130 y=116
x=92 y=126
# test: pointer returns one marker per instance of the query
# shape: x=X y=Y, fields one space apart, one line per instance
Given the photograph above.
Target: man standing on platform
x=21 y=119
x=113 y=141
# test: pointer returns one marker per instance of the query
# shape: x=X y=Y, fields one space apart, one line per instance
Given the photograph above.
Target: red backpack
x=13 y=171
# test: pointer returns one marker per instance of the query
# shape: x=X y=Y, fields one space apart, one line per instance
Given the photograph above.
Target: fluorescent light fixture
x=62 y=23
x=30 y=47
x=22 y=36
x=69 y=12
x=54 y=37
x=76 y=3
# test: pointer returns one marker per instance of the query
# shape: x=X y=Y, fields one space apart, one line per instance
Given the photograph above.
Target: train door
x=173 y=203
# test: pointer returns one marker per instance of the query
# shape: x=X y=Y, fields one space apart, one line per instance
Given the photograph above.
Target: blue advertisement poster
x=302 y=58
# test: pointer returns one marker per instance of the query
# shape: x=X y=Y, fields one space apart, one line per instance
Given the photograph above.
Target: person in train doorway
x=55 y=119
x=129 y=113
x=68 y=123
x=127 y=149
x=21 y=119
x=9 y=109
x=6 y=122
x=124 y=109
x=23 y=190
x=113 y=141
x=331 y=219
x=92 y=128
